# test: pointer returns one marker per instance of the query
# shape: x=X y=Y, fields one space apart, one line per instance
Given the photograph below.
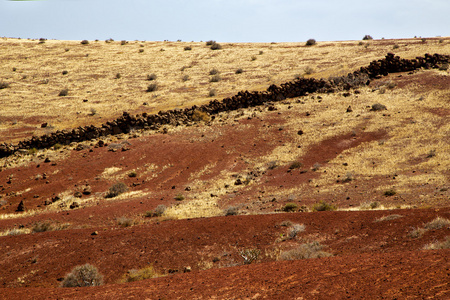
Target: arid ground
x=314 y=197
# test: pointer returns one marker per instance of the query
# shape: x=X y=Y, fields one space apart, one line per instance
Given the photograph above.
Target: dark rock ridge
x=297 y=88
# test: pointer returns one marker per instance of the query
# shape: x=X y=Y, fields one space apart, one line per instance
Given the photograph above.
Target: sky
x=224 y=20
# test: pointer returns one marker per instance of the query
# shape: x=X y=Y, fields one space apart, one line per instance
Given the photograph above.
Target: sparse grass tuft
x=388 y=218
x=42 y=226
x=437 y=223
x=323 y=206
x=438 y=245
x=125 y=222
x=305 y=251
x=116 y=189
x=141 y=274
x=81 y=276
x=417 y=232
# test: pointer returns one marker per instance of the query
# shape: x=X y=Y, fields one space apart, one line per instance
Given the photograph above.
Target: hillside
x=359 y=174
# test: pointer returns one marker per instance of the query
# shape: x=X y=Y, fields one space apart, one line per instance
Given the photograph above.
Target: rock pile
x=297 y=88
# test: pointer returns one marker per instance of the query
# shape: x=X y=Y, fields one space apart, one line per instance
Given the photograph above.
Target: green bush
x=289 y=207
x=81 y=276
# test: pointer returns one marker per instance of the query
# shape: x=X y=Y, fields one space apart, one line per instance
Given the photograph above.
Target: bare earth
x=386 y=172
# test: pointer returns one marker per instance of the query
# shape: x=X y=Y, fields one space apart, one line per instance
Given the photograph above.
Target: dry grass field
x=193 y=203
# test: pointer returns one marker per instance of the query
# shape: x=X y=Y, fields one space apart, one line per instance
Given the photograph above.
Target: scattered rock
x=43 y=125
x=300 y=132
x=74 y=205
x=47 y=160
x=87 y=190
x=94 y=233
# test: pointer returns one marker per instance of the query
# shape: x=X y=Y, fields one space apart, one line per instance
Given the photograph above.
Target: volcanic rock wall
x=299 y=87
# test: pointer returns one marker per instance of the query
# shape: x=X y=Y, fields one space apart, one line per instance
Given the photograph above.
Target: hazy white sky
x=224 y=20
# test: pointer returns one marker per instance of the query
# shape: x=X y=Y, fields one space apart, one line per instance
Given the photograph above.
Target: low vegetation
x=141 y=274
x=116 y=189
x=323 y=206
x=305 y=251
x=82 y=276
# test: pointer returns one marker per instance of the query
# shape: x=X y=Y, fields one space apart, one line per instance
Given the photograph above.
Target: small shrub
x=216 y=46
x=249 y=255
x=214 y=72
x=441 y=41
x=417 y=232
x=231 y=211
x=388 y=218
x=57 y=146
x=437 y=223
x=199 y=115
x=179 y=197
x=261 y=52
x=63 y=92
x=81 y=276
x=439 y=245
x=32 y=151
x=209 y=43
x=151 y=77
x=272 y=165
x=389 y=193
x=310 y=42
x=239 y=71
x=141 y=274
x=159 y=210
x=141 y=50
x=253 y=58
x=367 y=38
x=305 y=251
x=316 y=167
x=295 y=165
x=215 y=78
x=123 y=42
x=289 y=207
x=116 y=189
x=65 y=72
x=444 y=67
x=396 y=46
x=294 y=230
x=378 y=107
x=187 y=48
x=152 y=87
x=212 y=92
x=42 y=226
x=3 y=85
x=374 y=204
x=84 y=42
x=323 y=206
x=185 y=78
x=309 y=70
x=132 y=174
x=42 y=40
x=125 y=222
x=391 y=85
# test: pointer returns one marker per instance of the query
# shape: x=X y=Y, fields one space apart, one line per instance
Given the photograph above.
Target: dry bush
x=210 y=43
x=84 y=42
x=141 y=274
x=212 y=92
x=123 y=42
x=116 y=190
x=125 y=222
x=438 y=245
x=187 y=48
x=231 y=211
x=295 y=165
x=389 y=193
x=216 y=46
x=42 y=226
x=179 y=197
x=81 y=276
x=323 y=206
x=305 y=251
x=152 y=87
x=309 y=70
x=417 y=232
x=378 y=107
x=437 y=223
x=151 y=77
x=185 y=78
x=388 y=218
x=367 y=37
x=3 y=85
x=249 y=255
x=214 y=71
x=294 y=230
x=290 y=207
x=63 y=92
x=310 y=42
x=239 y=71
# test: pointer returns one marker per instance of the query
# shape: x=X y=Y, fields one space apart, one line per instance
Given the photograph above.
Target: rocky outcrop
x=297 y=88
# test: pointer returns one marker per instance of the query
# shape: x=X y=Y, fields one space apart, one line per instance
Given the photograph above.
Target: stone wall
x=299 y=87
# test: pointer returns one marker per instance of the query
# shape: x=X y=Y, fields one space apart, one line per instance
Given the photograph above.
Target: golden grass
x=92 y=68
